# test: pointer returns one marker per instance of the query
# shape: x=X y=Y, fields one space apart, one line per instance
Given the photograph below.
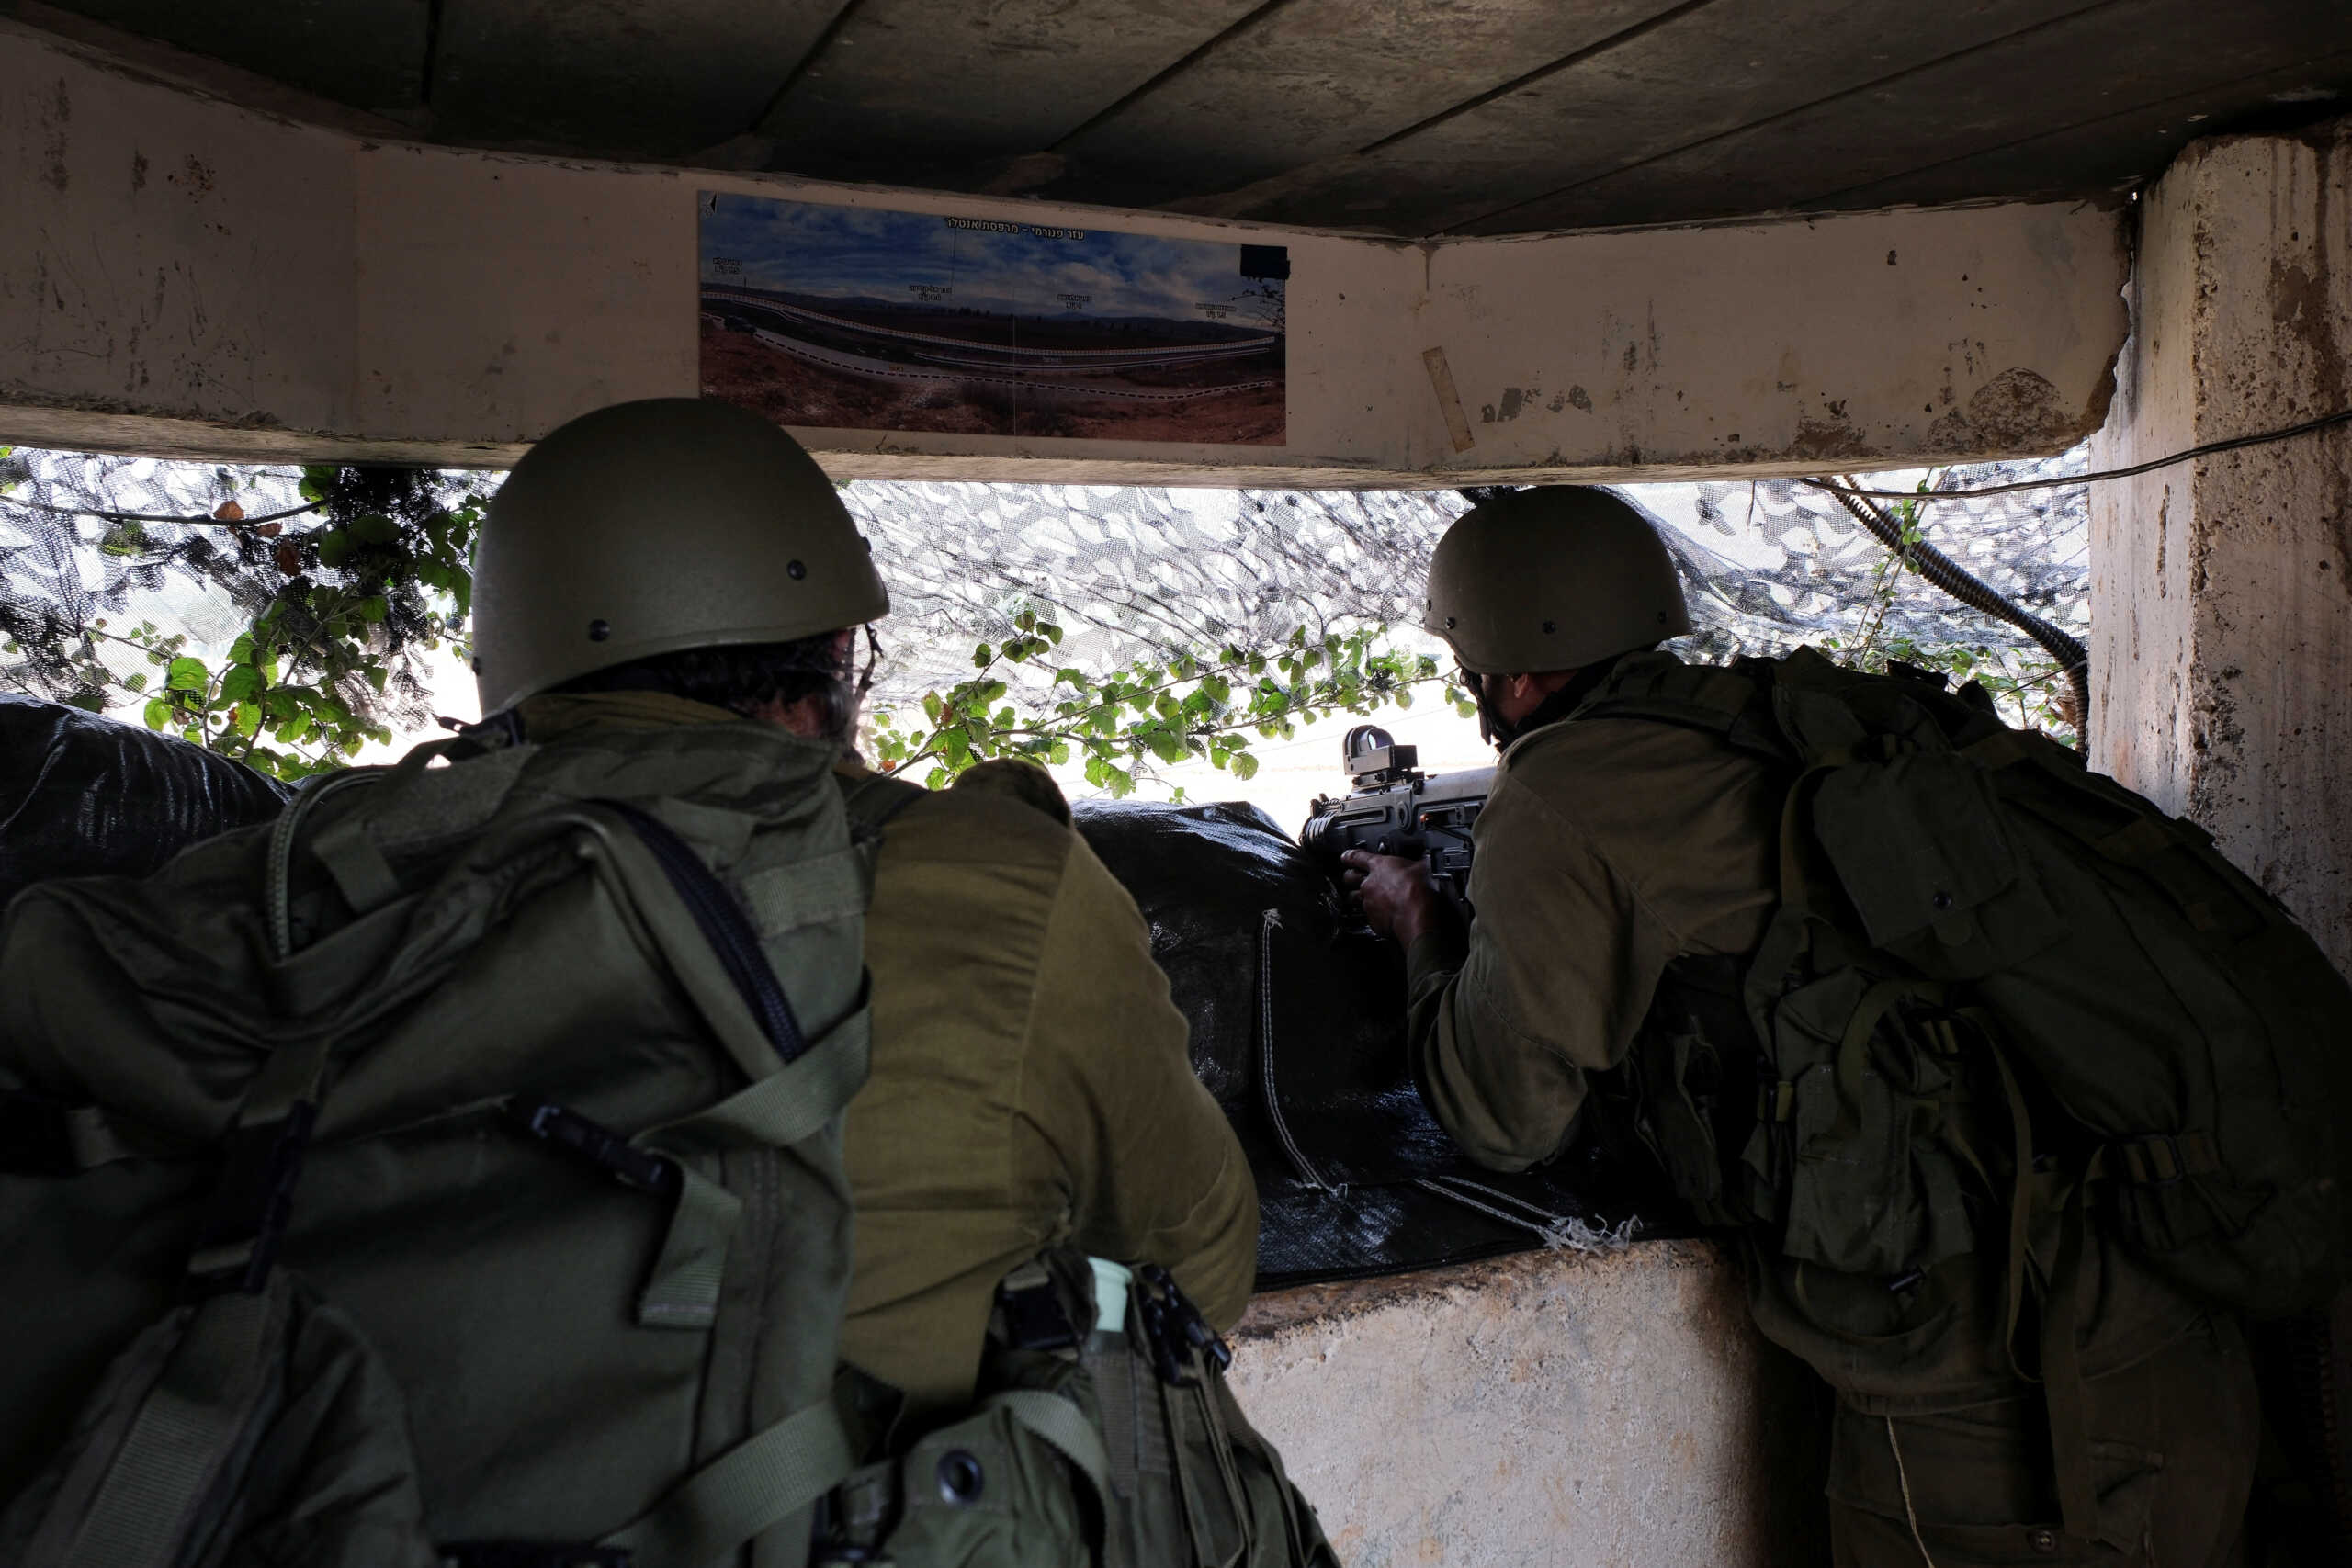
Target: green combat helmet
x=649 y=526
x=1551 y=578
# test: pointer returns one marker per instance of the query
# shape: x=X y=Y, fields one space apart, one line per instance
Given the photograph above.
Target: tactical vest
x=1999 y=984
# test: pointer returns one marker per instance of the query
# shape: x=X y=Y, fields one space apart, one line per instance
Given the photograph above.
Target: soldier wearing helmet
x=1627 y=871
x=682 y=567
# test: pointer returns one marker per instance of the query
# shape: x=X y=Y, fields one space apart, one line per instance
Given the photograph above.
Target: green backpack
x=447 y=1173
x=2170 y=1049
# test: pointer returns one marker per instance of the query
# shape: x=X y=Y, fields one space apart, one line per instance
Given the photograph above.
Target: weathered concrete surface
x=2221 y=591
x=1552 y=1408
x=187 y=272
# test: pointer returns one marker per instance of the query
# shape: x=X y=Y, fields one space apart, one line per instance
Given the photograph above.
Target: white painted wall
x=182 y=273
x=2221 y=608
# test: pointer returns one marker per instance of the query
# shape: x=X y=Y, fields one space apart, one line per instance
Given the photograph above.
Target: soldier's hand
x=1398 y=897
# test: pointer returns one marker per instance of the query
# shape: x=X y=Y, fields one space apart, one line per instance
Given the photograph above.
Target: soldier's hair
x=746 y=677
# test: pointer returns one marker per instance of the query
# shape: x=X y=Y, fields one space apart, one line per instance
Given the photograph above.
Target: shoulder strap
x=724 y=925
x=1735 y=703
x=873 y=800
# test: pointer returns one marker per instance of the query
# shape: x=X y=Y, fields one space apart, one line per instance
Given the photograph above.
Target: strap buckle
x=2164 y=1159
x=596 y=1143
x=1174 y=1330
x=1034 y=1316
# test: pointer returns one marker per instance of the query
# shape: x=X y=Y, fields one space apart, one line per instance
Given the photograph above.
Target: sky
x=844 y=251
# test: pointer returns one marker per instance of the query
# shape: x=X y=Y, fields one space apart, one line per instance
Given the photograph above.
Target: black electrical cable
x=2210 y=448
x=1977 y=595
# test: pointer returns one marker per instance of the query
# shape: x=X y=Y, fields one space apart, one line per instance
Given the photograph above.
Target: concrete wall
x=2221 y=591
x=1552 y=1408
x=185 y=272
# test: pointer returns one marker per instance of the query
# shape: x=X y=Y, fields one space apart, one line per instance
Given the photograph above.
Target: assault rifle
x=1396 y=809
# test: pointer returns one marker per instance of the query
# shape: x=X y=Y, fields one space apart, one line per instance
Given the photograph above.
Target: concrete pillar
x=2221 y=591
x=1552 y=1408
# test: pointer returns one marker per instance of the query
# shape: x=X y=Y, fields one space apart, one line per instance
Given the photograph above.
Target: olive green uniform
x=1030 y=1082
x=1611 y=848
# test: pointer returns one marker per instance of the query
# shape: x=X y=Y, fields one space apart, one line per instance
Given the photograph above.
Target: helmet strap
x=873 y=656
x=1489 y=722
x=1499 y=732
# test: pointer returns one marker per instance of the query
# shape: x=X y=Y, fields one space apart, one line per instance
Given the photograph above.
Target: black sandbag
x=82 y=796
x=1297 y=1014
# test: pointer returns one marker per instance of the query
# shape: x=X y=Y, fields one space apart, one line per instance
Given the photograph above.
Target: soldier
x=560 y=1150
x=1030 y=1085
x=1627 y=872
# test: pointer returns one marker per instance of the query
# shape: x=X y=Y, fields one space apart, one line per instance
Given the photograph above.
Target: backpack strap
x=1735 y=703
x=753 y=1486
x=874 y=799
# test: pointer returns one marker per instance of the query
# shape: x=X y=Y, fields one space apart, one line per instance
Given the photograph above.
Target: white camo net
x=1131 y=570
x=1136 y=571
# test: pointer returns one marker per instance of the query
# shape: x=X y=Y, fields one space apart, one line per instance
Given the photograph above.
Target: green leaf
x=187 y=674
x=240 y=684
x=931 y=705
x=334 y=548
x=158 y=713
x=1245 y=766
x=242 y=650
x=373 y=608
x=982 y=656
x=245 y=719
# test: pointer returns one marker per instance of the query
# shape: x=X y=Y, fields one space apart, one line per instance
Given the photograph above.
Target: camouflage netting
x=1128 y=571
x=1131 y=571
x=103 y=558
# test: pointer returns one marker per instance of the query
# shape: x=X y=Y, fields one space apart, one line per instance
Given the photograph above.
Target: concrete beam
x=2221 y=591
x=1553 y=1409
x=184 y=274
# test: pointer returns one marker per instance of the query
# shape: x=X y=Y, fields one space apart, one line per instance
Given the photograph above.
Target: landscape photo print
x=862 y=318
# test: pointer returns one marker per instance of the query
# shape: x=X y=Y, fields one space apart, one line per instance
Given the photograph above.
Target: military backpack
x=447 y=1175
x=2171 y=1049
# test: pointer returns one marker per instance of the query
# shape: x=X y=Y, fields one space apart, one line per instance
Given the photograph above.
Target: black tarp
x=1297 y=1009
x=1297 y=1015
x=82 y=796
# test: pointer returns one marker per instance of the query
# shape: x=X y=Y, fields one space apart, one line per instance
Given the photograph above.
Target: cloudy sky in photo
x=844 y=251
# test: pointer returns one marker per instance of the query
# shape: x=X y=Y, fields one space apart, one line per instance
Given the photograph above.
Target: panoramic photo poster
x=849 y=318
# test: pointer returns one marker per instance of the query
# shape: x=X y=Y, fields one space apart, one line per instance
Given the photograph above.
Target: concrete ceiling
x=1403 y=116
